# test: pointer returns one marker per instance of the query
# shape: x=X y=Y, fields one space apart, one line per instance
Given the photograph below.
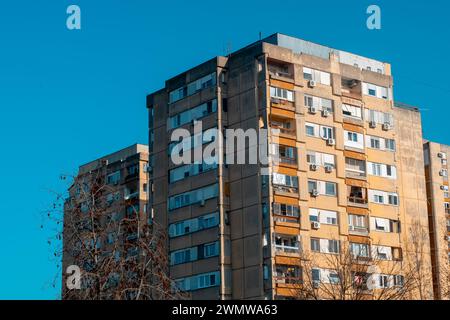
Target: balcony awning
x=356 y=183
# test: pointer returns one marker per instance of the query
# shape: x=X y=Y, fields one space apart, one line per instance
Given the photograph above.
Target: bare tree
x=418 y=265
x=352 y=277
x=120 y=253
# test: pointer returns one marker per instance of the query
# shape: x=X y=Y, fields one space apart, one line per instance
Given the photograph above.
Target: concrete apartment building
x=436 y=173
x=351 y=169
x=104 y=193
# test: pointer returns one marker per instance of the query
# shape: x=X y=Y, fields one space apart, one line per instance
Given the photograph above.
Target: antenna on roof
x=228 y=49
x=260 y=36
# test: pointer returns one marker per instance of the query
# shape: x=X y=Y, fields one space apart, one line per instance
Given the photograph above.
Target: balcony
x=355 y=174
x=282 y=131
x=281 y=71
x=286 y=218
x=358 y=230
x=286 y=245
x=351 y=88
x=281 y=103
x=287 y=275
x=285 y=190
x=284 y=213
x=357 y=202
x=357 y=197
x=285 y=249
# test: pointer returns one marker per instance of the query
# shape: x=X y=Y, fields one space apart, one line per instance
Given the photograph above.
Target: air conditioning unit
x=372 y=124
x=442 y=155
x=445 y=188
x=149 y=169
x=328 y=169
x=316 y=284
x=386 y=126
x=325 y=113
x=315 y=225
x=315 y=193
x=443 y=173
x=351 y=228
x=313 y=167
x=312 y=83
x=331 y=142
x=312 y=110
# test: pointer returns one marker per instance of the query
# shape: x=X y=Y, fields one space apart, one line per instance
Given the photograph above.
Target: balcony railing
x=280 y=130
x=286 y=160
x=358 y=230
x=280 y=248
x=356 y=174
x=286 y=279
x=284 y=189
x=357 y=201
x=285 y=218
x=277 y=72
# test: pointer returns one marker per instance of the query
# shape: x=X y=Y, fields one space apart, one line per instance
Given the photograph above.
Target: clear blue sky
x=67 y=97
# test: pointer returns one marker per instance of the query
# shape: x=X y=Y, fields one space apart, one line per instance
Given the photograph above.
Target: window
x=390 y=144
x=320 y=159
x=285 y=180
x=192 y=225
x=376 y=169
x=355 y=167
x=323 y=216
x=351 y=111
x=315 y=130
x=190 y=170
x=378 y=198
x=113 y=178
x=383 y=281
x=393 y=199
x=330 y=188
x=195 y=113
x=374 y=90
x=310 y=130
x=382 y=170
x=284 y=154
x=286 y=210
x=280 y=93
x=353 y=139
x=380 y=224
x=382 y=197
x=375 y=143
x=352 y=136
x=359 y=250
x=200 y=281
x=192 y=197
x=211 y=250
x=315 y=245
x=379 y=117
x=193 y=87
x=183 y=256
x=316 y=275
x=399 y=281
x=327 y=132
x=319 y=103
x=323 y=187
x=357 y=222
x=382 y=252
x=333 y=246
x=316 y=75
x=194 y=141
x=333 y=278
